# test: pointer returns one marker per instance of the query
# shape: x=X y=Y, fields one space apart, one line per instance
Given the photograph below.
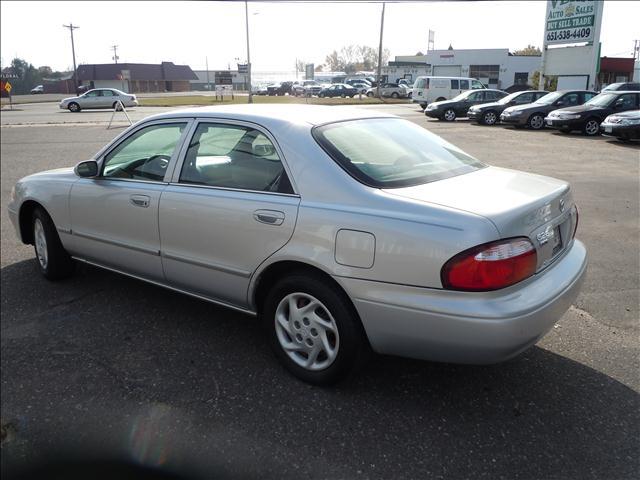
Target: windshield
x=508 y=98
x=613 y=86
x=602 y=100
x=462 y=96
x=549 y=98
x=392 y=152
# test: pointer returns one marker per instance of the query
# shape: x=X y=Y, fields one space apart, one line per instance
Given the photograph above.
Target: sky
x=281 y=32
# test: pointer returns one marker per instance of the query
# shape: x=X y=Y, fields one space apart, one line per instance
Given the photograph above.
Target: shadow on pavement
x=109 y=364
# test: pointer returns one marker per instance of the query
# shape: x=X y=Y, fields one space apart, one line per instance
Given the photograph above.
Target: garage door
x=447 y=71
x=576 y=82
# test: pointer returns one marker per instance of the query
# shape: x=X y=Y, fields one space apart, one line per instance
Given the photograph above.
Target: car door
x=625 y=102
x=108 y=98
x=114 y=216
x=229 y=207
x=91 y=99
x=473 y=98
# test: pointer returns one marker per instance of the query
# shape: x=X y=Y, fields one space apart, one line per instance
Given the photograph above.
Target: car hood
x=580 y=109
x=442 y=103
x=512 y=200
x=488 y=105
x=635 y=114
x=58 y=173
x=68 y=99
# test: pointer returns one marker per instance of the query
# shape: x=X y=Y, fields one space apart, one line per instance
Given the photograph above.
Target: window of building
x=492 y=72
x=520 y=78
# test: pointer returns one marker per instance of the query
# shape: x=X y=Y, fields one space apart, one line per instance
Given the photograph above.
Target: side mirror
x=619 y=104
x=86 y=169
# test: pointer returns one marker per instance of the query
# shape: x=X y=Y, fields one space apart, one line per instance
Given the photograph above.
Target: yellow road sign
x=7 y=87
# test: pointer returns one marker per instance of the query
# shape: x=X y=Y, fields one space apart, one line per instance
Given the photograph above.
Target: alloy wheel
x=591 y=127
x=40 y=240
x=449 y=115
x=490 y=118
x=536 y=122
x=307 y=331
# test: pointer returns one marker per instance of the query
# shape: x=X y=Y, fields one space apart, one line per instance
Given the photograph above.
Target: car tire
x=591 y=127
x=332 y=331
x=321 y=95
x=394 y=95
x=536 y=121
x=449 y=115
x=53 y=260
x=74 y=107
x=370 y=94
x=489 y=118
x=116 y=106
x=440 y=99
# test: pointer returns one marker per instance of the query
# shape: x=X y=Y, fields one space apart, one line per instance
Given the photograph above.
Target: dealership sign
x=571 y=21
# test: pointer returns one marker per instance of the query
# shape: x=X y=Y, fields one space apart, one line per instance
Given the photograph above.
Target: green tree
x=529 y=50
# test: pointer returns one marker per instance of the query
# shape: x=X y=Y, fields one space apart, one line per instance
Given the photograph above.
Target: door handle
x=140 y=200
x=270 y=217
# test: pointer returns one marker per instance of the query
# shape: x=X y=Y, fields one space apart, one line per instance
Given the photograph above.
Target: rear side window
x=464 y=84
x=392 y=152
x=455 y=85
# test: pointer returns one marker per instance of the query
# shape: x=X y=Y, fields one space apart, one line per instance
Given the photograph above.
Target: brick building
x=137 y=77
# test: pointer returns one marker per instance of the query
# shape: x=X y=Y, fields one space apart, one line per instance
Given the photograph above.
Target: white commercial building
x=495 y=67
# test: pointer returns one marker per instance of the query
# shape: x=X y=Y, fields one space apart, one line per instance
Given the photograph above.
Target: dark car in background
x=623 y=126
x=623 y=86
x=588 y=117
x=458 y=106
x=279 y=88
x=489 y=113
x=532 y=114
x=338 y=90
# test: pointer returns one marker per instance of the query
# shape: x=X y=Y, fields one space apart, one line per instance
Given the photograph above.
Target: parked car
x=37 y=89
x=358 y=81
x=259 y=89
x=341 y=229
x=625 y=86
x=392 y=90
x=623 y=126
x=306 y=88
x=338 y=90
x=588 y=117
x=362 y=88
x=489 y=113
x=99 y=98
x=282 y=88
x=436 y=89
x=449 y=110
x=533 y=114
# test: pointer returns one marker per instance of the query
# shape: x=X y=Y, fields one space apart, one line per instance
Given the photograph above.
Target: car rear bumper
x=465 y=327
x=511 y=120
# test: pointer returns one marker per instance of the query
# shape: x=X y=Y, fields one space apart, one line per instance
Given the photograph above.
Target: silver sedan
x=343 y=230
x=99 y=98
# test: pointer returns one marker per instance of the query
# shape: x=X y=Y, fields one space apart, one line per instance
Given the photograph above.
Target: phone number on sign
x=577 y=33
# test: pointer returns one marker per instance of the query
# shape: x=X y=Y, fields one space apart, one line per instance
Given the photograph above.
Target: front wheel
x=74 y=107
x=489 y=118
x=53 y=260
x=449 y=115
x=313 y=329
x=591 y=127
x=536 y=121
x=394 y=95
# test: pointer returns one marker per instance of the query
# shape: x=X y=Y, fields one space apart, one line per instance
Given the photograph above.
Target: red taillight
x=491 y=266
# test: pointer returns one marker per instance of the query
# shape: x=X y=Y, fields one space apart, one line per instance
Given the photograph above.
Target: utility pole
x=380 y=52
x=246 y=18
x=296 y=69
x=71 y=28
x=636 y=50
x=206 y=62
x=115 y=53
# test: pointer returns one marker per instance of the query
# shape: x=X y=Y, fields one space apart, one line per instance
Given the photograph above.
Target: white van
x=434 y=89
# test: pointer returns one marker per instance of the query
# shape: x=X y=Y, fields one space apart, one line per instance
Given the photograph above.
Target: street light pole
x=246 y=18
x=380 y=50
x=71 y=28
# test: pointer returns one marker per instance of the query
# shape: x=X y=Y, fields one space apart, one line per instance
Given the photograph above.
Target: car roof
x=271 y=114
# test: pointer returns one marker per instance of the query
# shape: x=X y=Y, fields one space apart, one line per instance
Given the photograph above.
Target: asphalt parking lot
x=108 y=366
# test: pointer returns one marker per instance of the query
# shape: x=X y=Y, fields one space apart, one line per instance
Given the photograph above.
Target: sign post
x=569 y=23
x=6 y=86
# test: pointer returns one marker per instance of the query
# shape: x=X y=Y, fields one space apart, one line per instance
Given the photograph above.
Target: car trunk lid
x=517 y=203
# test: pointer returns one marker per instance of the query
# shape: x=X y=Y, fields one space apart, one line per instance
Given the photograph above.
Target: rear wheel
x=440 y=99
x=74 y=107
x=591 y=127
x=394 y=95
x=116 y=106
x=370 y=94
x=536 y=121
x=53 y=260
x=449 y=115
x=313 y=329
x=490 y=118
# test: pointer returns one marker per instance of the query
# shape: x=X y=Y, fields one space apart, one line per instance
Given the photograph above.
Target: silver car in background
x=99 y=98
x=343 y=230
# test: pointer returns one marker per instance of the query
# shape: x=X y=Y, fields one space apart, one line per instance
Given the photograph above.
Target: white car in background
x=99 y=98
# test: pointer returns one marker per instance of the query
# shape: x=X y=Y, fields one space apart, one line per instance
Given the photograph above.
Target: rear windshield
x=392 y=152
